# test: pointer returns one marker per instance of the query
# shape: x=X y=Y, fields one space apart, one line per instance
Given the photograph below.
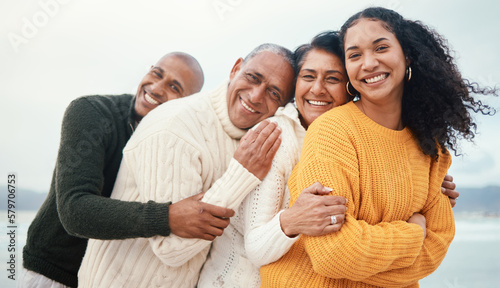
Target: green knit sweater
x=94 y=132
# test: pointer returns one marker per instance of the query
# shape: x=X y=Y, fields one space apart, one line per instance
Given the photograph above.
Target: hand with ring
x=315 y=213
x=333 y=220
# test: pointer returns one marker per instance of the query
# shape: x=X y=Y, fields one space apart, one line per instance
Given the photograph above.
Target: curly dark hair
x=437 y=100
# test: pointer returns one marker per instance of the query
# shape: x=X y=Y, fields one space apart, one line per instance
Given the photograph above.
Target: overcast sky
x=53 y=51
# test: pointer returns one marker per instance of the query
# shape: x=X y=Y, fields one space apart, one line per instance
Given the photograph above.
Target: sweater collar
x=218 y=97
x=132 y=123
x=397 y=136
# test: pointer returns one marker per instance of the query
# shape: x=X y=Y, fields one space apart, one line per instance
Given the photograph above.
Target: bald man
x=94 y=132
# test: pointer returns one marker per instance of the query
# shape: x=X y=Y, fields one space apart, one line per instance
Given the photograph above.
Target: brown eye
x=354 y=55
x=381 y=48
x=332 y=80
x=308 y=77
x=175 y=88
x=252 y=78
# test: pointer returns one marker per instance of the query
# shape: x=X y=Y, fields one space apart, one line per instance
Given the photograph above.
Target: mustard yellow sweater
x=386 y=178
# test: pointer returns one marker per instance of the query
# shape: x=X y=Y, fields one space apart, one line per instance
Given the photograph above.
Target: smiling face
x=171 y=78
x=257 y=88
x=375 y=61
x=320 y=85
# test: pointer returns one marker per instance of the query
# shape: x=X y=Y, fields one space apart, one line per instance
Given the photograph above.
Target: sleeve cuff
x=230 y=190
x=156 y=219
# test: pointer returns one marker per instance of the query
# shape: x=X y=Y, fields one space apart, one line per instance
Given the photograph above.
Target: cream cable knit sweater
x=180 y=149
x=254 y=236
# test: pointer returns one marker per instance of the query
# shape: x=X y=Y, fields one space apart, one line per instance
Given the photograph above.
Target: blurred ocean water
x=473 y=259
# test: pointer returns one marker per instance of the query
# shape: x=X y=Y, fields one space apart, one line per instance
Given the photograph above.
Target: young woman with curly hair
x=387 y=154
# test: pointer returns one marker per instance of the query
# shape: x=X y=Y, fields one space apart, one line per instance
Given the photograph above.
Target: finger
x=214 y=231
x=208 y=237
x=335 y=209
x=330 y=200
x=252 y=134
x=453 y=202
x=337 y=218
x=448 y=185
x=272 y=151
x=248 y=138
x=218 y=223
x=261 y=126
x=317 y=188
x=448 y=177
x=268 y=137
x=332 y=228
x=217 y=211
x=450 y=193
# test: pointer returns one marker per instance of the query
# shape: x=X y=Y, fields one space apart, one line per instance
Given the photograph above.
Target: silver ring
x=333 y=220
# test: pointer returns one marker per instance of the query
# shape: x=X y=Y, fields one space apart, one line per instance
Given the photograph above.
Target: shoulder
x=334 y=123
x=337 y=116
x=178 y=117
x=102 y=104
x=175 y=109
x=333 y=134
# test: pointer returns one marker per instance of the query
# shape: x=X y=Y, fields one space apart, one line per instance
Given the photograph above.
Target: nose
x=318 y=87
x=158 y=88
x=370 y=62
x=257 y=94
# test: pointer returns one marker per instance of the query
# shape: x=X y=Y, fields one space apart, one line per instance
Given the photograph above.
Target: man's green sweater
x=94 y=132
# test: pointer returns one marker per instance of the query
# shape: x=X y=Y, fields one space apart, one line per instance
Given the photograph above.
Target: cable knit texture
x=180 y=149
x=386 y=178
x=254 y=236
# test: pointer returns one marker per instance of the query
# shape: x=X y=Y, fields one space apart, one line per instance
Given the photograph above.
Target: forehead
x=272 y=67
x=175 y=66
x=367 y=30
x=322 y=59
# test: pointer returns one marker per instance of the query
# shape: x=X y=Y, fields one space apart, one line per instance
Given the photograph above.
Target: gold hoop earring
x=408 y=72
x=347 y=88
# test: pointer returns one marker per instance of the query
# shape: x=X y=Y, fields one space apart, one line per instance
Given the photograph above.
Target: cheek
x=301 y=90
x=272 y=106
x=338 y=94
x=351 y=71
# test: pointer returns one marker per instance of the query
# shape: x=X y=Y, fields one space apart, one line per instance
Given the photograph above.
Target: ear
x=236 y=68
x=408 y=61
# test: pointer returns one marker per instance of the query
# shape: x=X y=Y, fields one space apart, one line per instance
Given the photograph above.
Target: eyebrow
x=159 y=68
x=374 y=42
x=327 y=71
x=175 y=81
x=260 y=76
x=179 y=84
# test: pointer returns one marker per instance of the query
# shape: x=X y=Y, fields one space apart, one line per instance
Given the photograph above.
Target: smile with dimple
x=150 y=99
x=246 y=106
x=376 y=78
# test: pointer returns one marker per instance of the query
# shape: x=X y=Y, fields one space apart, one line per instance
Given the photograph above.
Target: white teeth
x=150 y=100
x=317 y=103
x=246 y=107
x=376 y=78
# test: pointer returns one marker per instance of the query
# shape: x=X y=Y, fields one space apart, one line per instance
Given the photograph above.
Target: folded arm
x=364 y=252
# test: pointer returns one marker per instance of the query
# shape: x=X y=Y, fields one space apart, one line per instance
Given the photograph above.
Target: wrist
x=286 y=227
